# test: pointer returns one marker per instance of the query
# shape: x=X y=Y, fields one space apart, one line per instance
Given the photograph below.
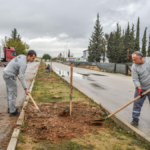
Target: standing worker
x=17 y=66
x=141 y=79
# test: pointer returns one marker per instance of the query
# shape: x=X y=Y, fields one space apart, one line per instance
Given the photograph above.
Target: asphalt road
x=111 y=90
x=7 y=123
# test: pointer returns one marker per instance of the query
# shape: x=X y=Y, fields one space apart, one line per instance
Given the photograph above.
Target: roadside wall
x=119 y=68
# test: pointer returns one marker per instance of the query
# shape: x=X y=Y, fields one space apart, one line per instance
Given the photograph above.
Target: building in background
x=74 y=59
x=85 y=55
x=37 y=59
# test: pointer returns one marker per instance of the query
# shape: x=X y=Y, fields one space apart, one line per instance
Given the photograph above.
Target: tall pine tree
x=96 y=45
x=148 y=52
x=144 y=43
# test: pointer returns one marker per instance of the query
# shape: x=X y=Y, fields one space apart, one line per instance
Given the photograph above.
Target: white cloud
x=44 y=39
x=63 y=35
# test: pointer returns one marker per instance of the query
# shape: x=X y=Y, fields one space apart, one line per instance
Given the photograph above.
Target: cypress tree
x=110 y=51
x=121 y=46
x=126 y=44
x=132 y=43
x=137 y=43
x=117 y=45
x=148 y=52
x=144 y=43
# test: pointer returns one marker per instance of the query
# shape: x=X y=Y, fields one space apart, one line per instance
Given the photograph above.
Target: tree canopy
x=46 y=56
x=16 y=42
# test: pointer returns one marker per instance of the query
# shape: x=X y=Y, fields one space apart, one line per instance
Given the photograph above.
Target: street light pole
x=64 y=52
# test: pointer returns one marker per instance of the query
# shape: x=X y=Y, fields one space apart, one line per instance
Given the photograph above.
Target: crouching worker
x=48 y=69
x=17 y=66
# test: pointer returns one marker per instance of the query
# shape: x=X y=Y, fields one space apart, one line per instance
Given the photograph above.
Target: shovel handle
x=127 y=104
x=33 y=101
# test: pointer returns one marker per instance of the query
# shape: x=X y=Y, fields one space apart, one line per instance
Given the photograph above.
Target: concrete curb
x=14 y=138
x=119 y=121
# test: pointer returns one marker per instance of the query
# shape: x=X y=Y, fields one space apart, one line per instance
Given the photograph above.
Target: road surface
x=8 y=123
x=111 y=90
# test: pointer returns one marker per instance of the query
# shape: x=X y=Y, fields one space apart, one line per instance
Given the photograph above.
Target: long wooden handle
x=18 y=77
x=33 y=101
x=127 y=104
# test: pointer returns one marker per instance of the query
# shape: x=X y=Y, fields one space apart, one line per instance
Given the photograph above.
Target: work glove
x=140 y=92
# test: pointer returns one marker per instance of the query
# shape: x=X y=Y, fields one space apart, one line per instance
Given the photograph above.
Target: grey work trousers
x=11 y=91
x=137 y=106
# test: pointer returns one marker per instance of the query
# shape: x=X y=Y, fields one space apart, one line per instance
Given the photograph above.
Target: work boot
x=16 y=113
x=9 y=111
x=134 y=122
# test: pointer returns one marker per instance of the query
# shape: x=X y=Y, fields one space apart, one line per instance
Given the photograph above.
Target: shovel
x=34 y=103
x=32 y=100
x=122 y=107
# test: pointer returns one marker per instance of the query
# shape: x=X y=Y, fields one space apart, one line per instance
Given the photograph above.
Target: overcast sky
x=47 y=25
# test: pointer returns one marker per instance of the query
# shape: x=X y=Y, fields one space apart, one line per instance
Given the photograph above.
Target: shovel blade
x=39 y=111
x=102 y=119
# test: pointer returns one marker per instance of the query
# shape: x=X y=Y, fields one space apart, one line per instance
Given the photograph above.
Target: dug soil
x=55 y=123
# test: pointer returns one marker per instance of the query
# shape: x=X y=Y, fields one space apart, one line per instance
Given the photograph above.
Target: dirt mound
x=47 y=79
x=55 y=124
x=64 y=114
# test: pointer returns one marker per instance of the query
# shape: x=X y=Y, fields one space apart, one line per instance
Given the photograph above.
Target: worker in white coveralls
x=141 y=79
x=17 y=66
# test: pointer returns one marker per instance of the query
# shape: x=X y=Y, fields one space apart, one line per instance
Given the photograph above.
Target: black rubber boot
x=134 y=122
x=16 y=113
x=9 y=111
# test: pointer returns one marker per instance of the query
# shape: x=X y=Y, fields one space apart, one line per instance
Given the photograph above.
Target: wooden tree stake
x=51 y=68
x=71 y=79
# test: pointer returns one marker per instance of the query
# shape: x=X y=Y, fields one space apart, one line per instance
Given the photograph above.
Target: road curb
x=119 y=121
x=14 y=138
